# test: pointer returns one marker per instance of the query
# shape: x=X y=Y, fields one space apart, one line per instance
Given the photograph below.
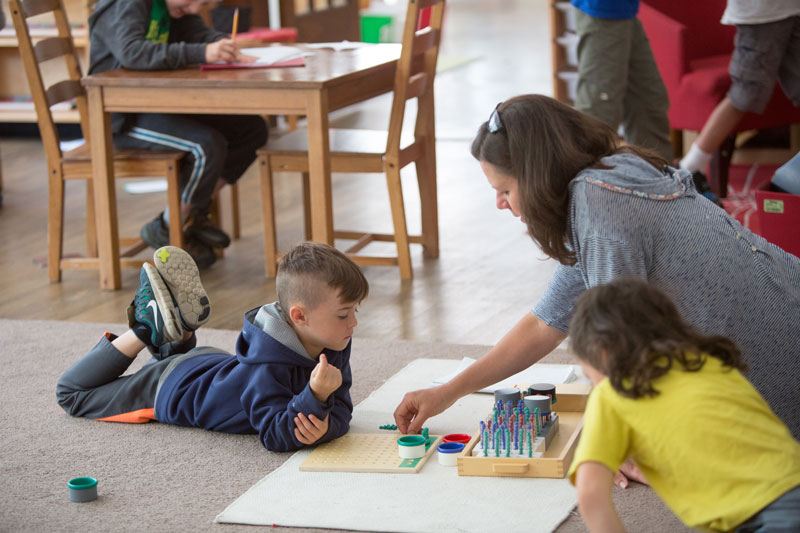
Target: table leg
x=319 y=167
x=105 y=199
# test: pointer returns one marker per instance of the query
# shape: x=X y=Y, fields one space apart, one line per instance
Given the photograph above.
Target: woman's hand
x=418 y=406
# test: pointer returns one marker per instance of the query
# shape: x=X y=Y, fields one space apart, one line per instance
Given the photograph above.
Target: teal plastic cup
x=82 y=489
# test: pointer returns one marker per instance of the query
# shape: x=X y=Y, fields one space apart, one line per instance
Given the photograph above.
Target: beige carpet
x=155 y=477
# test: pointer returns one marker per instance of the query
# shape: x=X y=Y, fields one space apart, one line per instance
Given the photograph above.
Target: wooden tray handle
x=510 y=468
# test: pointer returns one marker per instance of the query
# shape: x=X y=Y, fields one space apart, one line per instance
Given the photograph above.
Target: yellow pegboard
x=365 y=452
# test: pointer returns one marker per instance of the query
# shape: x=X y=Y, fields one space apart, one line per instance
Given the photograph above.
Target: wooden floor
x=488 y=274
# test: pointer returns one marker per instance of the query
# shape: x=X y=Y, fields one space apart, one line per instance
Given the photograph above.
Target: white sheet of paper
x=538 y=373
x=272 y=54
x=339 y=46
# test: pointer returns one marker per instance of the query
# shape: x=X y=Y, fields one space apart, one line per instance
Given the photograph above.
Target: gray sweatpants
x=94 y=387
x=763 y=54
x=619 y=81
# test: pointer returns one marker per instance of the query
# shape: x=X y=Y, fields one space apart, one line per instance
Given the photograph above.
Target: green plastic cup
x=82 y=489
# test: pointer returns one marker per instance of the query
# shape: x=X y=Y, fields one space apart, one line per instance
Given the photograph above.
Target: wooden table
x=329 y=81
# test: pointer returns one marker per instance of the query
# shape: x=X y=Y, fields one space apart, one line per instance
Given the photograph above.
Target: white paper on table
x=339 y=46
x=538 y=373
x=268 y=55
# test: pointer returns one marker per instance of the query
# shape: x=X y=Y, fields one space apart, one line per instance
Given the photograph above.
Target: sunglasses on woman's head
x=494 y=123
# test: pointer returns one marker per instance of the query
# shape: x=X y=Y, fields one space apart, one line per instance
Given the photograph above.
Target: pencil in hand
x=235 y=23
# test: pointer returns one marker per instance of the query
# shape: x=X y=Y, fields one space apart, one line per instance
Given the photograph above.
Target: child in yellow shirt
x=675 y=402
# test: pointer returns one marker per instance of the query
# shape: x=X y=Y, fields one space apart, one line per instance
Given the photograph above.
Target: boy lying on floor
x=289 y=381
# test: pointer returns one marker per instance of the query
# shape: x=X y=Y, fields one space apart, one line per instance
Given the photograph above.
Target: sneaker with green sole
x=180 y=274
x=152 y=314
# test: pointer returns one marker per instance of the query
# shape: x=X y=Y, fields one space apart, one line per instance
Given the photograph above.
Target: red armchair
x=693 y=49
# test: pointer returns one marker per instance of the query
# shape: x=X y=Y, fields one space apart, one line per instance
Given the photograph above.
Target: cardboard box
x=779 y=218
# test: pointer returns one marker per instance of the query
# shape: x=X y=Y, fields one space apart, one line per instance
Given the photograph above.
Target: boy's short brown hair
x=309 y=264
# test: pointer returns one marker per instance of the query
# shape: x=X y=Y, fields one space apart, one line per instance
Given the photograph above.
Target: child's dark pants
x=216 y=146
x=94 y=387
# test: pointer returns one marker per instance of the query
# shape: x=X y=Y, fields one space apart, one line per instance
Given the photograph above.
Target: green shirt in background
x=708 y=444
x=158 y=30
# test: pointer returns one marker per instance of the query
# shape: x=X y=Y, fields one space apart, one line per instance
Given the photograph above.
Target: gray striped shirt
x=634 y=221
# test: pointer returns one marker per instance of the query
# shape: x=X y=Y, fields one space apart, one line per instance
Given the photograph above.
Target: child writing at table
x=288 y=381
x=163 y=35
x=676 y=402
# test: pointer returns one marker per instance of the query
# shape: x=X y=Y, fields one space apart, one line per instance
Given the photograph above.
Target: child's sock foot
x=179 y=272
x=152 y=315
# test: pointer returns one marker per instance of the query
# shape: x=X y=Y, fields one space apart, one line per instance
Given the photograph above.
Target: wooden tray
x=555 y=462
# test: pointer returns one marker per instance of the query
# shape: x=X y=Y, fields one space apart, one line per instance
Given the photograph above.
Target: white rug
x=436 y=499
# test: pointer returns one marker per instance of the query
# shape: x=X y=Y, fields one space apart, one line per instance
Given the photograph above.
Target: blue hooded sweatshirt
x=259 y=390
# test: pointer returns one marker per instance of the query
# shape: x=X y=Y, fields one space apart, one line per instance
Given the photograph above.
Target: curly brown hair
x=544 y=144
x=632 y=332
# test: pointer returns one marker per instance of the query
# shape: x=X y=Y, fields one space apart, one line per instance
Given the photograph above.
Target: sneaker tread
x=180 y=274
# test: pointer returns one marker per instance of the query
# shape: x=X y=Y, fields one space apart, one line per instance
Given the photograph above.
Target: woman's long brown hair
x=544 y=144
x=632 y=332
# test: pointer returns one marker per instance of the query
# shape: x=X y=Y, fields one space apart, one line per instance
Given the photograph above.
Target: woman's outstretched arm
x=527 y=342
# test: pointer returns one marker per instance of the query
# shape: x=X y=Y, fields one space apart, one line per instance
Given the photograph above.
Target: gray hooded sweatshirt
x=117 y=30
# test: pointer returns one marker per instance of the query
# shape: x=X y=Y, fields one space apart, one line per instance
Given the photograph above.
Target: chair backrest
x=705 y=35
x=60 y=81
x=416 y=68
x=320 y=21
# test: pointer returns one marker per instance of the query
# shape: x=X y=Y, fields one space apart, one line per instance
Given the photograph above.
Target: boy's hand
x=226 y=51
x=325 y=379
x=309 y=429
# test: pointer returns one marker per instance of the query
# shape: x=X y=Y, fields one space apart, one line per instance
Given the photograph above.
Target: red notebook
x=280 y=35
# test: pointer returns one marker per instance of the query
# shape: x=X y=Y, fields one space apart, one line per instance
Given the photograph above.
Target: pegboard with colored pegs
x=552 y=462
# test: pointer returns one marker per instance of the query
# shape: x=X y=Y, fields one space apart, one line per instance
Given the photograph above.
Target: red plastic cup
x=457 y=437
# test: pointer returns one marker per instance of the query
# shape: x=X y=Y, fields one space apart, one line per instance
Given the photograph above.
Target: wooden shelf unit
x=563 y=46
x=13 y=82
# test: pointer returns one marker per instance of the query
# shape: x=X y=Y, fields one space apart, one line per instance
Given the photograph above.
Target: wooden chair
x=1 y=180
x=356 y=151
x=2 y=25
x=322 y=21
x=76 y=164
